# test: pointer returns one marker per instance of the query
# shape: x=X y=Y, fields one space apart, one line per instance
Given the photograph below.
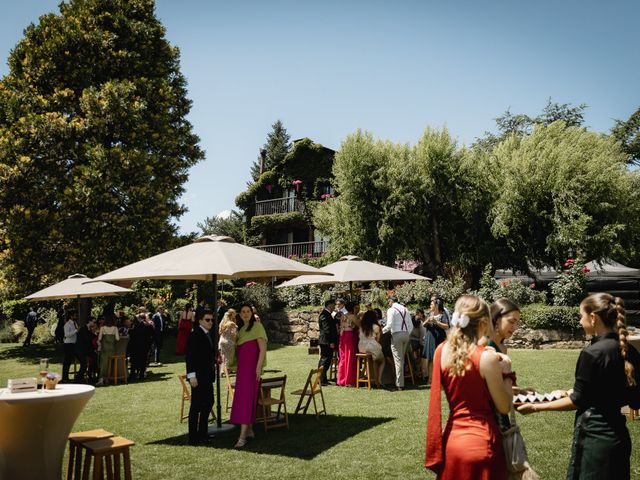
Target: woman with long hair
x=228 y=332
x=370 y=332
x=477 y=381
x=607 y=378
x=185 y=325
x=251 y=352
x=505 y=316
x=348 y=347
x=436 y=325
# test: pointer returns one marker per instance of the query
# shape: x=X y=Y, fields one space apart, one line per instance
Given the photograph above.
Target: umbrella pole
x=219 y=428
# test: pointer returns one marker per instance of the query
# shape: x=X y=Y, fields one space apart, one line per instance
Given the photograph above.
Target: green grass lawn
x=367 y=434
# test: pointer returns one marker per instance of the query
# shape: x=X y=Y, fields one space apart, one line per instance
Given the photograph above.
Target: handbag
x=518 y=467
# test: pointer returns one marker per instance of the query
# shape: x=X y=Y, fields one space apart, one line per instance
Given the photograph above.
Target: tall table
x=34 y=427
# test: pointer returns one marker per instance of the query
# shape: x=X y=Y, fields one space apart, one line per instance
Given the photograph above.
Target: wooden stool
x=365 y=365
x=408 y=361
x=74 y=466
x=333 y=368
x=114 y=366
x=107 y=450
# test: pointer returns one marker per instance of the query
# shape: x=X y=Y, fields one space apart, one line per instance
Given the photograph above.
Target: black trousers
x=326 y=355
x=201 y=404
x=158 y=343
x=80 y=374
x=139 y=363
x=69 y=356
x=30 y=330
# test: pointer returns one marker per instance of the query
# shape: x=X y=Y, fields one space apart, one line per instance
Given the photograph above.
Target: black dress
x=601 y=447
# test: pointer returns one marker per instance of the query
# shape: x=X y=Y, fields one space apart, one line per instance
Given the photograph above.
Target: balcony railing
x=302 y=249
x=279 y=205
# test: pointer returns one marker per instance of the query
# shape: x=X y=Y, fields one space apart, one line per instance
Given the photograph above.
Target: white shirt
x=70 y=332
x=398 y=319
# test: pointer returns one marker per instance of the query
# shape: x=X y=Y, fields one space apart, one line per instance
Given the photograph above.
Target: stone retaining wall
x=297 y=328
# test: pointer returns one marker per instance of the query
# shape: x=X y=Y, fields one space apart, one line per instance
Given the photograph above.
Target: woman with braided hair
x=607 y=378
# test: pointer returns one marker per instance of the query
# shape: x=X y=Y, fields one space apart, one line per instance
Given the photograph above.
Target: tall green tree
x=229 y=226
x=277 y=147
x=628 y=133
x=95 y=146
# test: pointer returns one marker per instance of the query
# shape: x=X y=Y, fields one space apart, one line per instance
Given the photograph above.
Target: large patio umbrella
x=211 y=258
x=75 y=286
x=350 y=269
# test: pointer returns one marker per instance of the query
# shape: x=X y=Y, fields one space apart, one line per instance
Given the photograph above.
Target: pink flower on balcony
x=297 y=183
x=533 y=285
x=251 y=284
x=309 y=254
x=585 y=269
x=569 y=262
x=269 y=187
x=326 y=196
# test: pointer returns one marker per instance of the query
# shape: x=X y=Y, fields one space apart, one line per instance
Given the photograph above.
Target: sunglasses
x=208 y=319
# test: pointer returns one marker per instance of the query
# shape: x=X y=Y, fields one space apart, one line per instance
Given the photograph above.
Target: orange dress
x=471 y=446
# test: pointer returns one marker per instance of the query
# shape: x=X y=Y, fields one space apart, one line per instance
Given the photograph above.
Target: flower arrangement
x=296 y=183
x=51 y=380
x=326 y=196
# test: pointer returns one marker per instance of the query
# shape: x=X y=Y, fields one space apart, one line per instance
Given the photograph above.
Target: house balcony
x=299 y=250
x=279 y=205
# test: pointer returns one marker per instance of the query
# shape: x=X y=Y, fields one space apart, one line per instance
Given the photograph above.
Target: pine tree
x=94 y=143
x=277 y=146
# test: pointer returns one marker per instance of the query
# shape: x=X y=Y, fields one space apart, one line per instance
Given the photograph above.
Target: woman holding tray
x=607 y=378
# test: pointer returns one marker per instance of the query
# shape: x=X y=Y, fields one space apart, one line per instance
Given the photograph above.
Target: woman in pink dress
x=184 y=329
x=348 y=346
x=251 y=351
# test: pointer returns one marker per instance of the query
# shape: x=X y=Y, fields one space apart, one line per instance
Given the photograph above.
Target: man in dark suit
x=160 y=324
x=201 y=354
x=328 y=338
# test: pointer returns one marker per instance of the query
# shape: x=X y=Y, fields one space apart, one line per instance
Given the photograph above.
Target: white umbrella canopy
x=210 y=258
x=351 y=269
x=76 y=287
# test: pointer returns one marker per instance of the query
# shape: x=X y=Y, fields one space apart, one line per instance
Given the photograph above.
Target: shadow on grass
x=306 y=438
x=32 y=353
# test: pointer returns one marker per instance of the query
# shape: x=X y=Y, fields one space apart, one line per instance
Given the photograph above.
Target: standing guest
x=30 y=322
x=370 y=333
x=505 y=316
x=347 y=365
x=327 y=338
x=476 y=381
x=108 y=336
x=221 y=307
x=251 y=357
x=84 y=348
x=184 y=328
x=140 y=341
x=399 y=324
x=381 y=320
x=121 y=318
x=255 y=314
x=159 y=324
x=199 y=310
x=228 y=332
x=436 y=324
x=124 y=325
x=607 y=378
x=200 y=356
x=70 y=337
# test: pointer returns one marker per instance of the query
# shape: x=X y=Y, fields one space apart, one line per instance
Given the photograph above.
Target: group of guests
x=242 y=344
x=472 y=367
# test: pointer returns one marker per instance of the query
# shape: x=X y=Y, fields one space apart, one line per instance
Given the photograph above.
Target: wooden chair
x=117 y=368
x=365 y=370
x=231 y=388
x=76 y=439
x=267 y=400
x=106 y=453
x=186 y=397
x=333 y=368
x=633 y=414
x=408 y=361
x=312 y=387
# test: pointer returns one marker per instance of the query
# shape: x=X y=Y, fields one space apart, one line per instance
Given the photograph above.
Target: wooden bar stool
x=333 y=368
x=76 y=439
x=114 y=368
x=409 y=362
x=107 y=452
x=365 y=368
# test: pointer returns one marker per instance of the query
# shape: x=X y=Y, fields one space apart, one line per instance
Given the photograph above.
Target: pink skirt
x=347 y=366
x=245 y=397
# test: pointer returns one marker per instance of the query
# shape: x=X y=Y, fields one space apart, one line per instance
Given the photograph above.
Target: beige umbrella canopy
x=351 y=269
x=210 y=258
x=76 y=287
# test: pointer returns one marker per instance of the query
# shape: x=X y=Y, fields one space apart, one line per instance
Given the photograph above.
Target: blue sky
x=393 y=68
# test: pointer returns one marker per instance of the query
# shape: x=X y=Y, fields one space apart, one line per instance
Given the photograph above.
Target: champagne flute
x=44 y=369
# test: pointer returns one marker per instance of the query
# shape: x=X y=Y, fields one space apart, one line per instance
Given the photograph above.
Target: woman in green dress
x=607 y=378
x=107 y=339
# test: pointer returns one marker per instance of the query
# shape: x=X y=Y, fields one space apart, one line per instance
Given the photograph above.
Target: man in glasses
x=201 y=353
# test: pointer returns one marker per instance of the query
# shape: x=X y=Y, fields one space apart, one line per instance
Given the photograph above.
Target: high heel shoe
x=240 y=443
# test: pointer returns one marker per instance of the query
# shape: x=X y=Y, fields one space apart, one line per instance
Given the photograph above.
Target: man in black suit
x=328 y=338
x=201 y=354
x=160 y=324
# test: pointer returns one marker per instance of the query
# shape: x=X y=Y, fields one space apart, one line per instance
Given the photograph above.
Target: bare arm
x=561 y=405
x=492 y=365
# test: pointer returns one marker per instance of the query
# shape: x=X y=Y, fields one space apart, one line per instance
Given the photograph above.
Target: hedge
x=551 y=317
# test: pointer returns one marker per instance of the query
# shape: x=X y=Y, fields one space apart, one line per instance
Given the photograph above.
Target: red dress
x=471 y=446
x=184 y=329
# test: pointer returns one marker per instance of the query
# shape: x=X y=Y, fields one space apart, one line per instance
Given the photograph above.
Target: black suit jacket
x=200 y=355
x=328 y=328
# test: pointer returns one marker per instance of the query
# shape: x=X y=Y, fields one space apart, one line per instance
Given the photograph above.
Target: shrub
x=294 y=297
x=7 y=334
x=12 y=310
x=519 y=293
x=551 y=317
x=571 y=287
x=376 y=296
x=258 y=295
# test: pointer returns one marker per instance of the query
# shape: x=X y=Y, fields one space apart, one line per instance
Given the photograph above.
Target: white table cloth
x=34 y=427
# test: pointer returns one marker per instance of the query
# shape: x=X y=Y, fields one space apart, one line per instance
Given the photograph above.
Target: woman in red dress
x=184 y=329
x=477 y=381
x=348 y=346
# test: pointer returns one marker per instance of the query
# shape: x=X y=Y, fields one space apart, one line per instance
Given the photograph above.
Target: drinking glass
x=44 y=369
